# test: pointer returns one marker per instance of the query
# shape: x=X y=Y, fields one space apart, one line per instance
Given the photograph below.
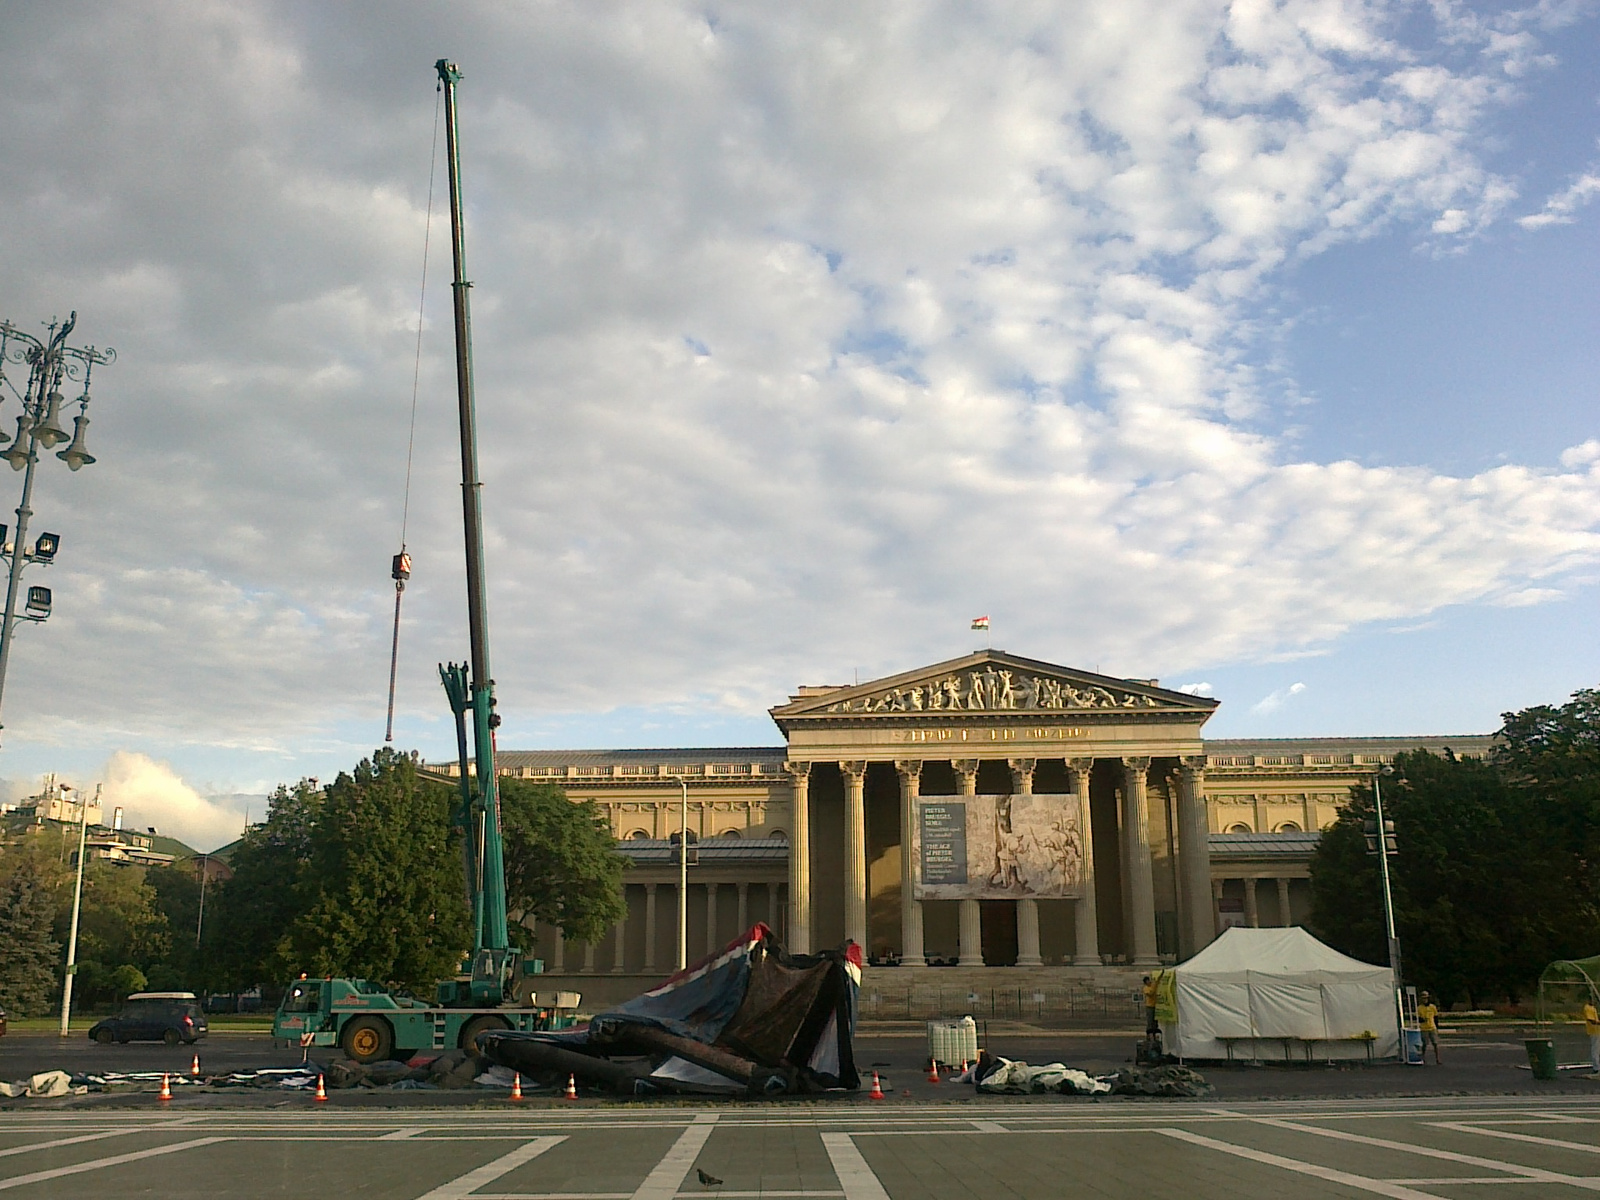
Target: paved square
x=1406 y=1150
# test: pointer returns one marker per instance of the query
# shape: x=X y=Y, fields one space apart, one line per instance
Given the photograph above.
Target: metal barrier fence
x=1040 y=1005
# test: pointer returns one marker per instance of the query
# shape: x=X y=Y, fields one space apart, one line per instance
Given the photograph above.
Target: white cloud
x=798 y=330
x=152 y=794
x=1273 y=701
x=1561 y=207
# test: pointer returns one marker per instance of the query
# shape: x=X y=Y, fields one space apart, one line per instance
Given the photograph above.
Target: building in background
x=990 y=811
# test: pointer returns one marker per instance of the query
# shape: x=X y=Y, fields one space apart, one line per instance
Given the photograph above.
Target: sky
x=1251 y=347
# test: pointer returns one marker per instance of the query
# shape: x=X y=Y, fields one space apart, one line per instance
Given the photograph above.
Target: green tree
x=177 y=899
x=1550 y=757
x=28 y=953
x=561 y=861
x=382 y=895
x=249 y=917
x=1482 y=889
x=119 y=923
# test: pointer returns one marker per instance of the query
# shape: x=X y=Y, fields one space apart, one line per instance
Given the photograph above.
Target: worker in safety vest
x=1428 y=1022
x=1150 y=1025
x=1591 y=1026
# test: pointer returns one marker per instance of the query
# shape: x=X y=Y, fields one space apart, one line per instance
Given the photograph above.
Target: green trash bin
x=1542 y=1057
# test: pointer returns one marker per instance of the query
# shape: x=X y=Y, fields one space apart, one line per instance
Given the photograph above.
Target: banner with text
x=998 y=848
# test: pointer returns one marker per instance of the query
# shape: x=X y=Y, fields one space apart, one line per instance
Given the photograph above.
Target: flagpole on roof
x=983 y=624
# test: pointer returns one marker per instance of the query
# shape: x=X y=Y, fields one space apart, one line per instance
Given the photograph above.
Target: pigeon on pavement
x=707 y=1180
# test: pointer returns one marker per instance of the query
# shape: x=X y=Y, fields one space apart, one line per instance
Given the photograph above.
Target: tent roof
x=1572 y=970
x=1290 y=951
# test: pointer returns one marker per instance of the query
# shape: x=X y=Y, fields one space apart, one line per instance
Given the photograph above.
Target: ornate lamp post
x=51 y=363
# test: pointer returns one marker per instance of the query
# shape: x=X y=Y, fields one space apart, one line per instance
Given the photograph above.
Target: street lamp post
x=1384 y=841
x=51 y=362
x=77 y=906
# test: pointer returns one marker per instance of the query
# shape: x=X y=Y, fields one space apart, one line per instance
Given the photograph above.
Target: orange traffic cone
x=933 y=1070
x=516 y=1087
x=166 y=1088
x=572 y=1088
x=322 y=1091
x=877 y=1088
x=194 y=1067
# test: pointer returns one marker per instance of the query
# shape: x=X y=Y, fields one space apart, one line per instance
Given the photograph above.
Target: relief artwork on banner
x=999 y=848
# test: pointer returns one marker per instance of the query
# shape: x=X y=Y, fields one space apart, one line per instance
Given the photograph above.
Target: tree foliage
x=382 y=895
x=561 y=860
x=1495 y=874
x=28 y=952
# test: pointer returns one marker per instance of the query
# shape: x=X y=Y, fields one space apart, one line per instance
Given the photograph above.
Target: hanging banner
x=999 y=848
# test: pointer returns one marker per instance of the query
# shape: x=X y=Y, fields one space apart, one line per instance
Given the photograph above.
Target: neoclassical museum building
x=990 y=811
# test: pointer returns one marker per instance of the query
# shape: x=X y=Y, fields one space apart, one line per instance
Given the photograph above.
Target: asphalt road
x=1480 y=1063
x=1405 y=1150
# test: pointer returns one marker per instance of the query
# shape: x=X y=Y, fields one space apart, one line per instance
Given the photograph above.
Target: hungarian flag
x=980 y=622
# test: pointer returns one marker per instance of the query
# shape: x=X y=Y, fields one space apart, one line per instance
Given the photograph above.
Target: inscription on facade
x=944 y=844
x=1033 y=733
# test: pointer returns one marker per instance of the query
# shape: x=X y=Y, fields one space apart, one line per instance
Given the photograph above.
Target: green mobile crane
x=492 y=990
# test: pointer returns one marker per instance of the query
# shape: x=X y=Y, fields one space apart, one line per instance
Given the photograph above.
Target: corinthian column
x=1194 y=851
x=855 y=853
x=649 y=927
x=910 y=773
x=1086 y=921
x=971 y=916
x=800 y=858
x=1027 y=907
x=1136 y=859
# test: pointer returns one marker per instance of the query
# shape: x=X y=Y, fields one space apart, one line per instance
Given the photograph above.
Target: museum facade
x=991 y=810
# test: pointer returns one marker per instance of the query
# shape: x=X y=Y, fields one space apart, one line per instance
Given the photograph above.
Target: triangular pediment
x=991 y=682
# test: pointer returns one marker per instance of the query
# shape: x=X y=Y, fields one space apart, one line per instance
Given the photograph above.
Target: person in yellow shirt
x=1428 y=1021
x=1150 y=1025
x=1591 y=1026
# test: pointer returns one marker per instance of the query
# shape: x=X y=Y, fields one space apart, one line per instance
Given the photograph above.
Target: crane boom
x=494 y=959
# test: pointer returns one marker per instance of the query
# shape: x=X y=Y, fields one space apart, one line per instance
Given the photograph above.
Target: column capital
x=1080 y=766
x=1137 y=763
x=966 y=770
x=1193 y=764
x=853 y=770
x=798 y=771
x=909 y=769
x=650 y=889
x=1022 y=774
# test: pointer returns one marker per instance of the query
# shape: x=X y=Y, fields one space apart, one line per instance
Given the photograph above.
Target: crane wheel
x=368 y=1039
x=471 y=1030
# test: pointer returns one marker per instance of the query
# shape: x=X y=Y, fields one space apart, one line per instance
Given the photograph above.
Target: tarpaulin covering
x=749 y=1018
x=1268 y=989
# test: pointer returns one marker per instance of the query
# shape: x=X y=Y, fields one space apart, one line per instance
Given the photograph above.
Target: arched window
x=1288 y=827
x=727 y=833
x=778 y=835
x=640 y=835
x=1240 y=828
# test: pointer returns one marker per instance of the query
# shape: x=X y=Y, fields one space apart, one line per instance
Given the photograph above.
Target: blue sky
x=1247 y=345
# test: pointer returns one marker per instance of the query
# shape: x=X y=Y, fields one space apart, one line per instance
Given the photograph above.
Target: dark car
x=169 y=1017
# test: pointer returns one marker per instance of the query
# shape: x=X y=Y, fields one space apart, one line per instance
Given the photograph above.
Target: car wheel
x=170 y=1037
x=368 y=1039
x=103 y=1036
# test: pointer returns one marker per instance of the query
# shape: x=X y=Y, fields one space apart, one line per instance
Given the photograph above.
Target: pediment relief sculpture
x=992 y=689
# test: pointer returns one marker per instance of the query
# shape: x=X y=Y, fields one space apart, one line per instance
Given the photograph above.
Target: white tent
x=1280 y=993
